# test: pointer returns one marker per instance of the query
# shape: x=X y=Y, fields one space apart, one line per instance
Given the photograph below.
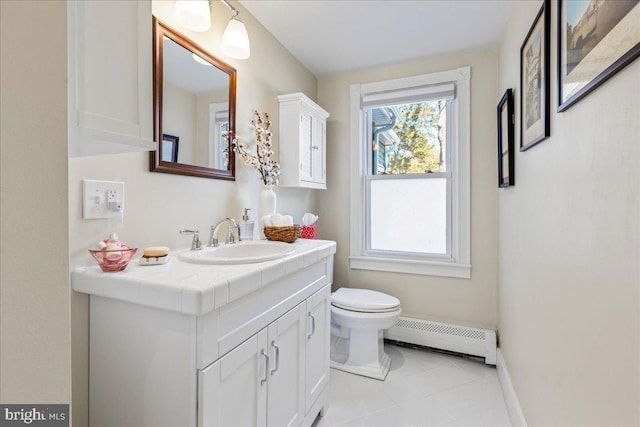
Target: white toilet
x=358 y=319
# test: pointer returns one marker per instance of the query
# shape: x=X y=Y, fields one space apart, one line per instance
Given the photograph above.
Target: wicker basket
x=287 y=234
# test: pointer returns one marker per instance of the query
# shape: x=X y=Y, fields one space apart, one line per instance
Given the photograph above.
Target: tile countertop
x=195 y=288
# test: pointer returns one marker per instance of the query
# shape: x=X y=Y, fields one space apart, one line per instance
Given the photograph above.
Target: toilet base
x=360 y=353
x=377 y=371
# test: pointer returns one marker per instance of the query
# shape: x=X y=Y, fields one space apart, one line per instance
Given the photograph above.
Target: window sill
x=427 y=268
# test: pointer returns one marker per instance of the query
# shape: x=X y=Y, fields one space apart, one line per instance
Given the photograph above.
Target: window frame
x=457 y=262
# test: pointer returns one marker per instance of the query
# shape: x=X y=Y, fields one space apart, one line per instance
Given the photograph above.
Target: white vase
x=266 y=205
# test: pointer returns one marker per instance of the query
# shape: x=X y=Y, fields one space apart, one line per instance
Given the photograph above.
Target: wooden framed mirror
x=194 y=97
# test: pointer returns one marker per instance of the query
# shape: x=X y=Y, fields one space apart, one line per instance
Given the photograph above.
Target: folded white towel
x=287 y=220
x=276 y=220
x=266 y=221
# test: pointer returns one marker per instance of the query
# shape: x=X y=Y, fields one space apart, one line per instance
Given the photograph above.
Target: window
x=218 y=129
x=410 y=175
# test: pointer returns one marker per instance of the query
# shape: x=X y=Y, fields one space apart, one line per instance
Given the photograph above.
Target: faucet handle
x=196 y=244
x=230 y=239
x=232 y=226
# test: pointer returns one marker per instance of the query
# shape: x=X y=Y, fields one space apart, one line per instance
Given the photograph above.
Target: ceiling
x=335 y=36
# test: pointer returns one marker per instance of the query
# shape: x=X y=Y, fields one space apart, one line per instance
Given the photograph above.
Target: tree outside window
x=410 y=138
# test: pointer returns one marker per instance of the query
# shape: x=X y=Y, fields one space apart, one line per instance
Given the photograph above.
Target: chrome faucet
x=233 y=225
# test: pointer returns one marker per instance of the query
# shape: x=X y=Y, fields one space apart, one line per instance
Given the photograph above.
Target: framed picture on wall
x=169 y=148
x=596 y=39
x=506 y=169
x=534 y=81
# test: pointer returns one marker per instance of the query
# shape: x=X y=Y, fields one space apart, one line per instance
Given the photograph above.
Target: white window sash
x=447 y=256
x=459 y=264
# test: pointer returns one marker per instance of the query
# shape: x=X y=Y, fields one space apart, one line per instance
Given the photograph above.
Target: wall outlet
x=102 y=199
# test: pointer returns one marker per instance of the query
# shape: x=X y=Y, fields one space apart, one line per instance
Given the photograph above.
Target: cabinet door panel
x=317 y=347
x=110 y=79
x=231 y=391
x=306 y=153
x=318 y=150
x=285 y=398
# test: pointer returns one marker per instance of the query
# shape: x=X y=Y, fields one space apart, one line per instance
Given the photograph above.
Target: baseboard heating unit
x=460 y=339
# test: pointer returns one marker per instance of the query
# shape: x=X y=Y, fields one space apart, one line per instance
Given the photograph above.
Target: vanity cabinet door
x=260 y=382
x=110 y=76
x=318 y=314
x=233 y=390
x=285 y=399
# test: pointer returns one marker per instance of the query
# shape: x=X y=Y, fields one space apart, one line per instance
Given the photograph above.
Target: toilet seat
x=360 y=320
x=364 y=301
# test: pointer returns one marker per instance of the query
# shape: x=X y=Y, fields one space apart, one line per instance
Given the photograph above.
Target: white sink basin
x=246 y=252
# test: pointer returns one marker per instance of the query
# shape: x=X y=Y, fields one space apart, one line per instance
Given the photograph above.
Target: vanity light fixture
x=235 y=40
x=194 y=15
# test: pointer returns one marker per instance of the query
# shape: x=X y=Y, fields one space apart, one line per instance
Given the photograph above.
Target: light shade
x=193 y=14
x=235 y=40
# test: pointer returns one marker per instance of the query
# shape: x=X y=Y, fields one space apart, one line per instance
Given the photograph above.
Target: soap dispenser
x=246 y=226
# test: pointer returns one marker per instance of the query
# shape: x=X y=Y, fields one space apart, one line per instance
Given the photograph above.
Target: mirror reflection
x=195 y=101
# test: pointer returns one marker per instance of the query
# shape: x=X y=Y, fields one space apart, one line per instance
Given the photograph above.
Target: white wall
x=179 y=114
x=34 y=290
x=203 y=122
x=569 y=251
x=462 y=301
x=158 y=205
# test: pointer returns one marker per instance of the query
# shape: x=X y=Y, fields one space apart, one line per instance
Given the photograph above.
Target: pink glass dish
x=115 y=260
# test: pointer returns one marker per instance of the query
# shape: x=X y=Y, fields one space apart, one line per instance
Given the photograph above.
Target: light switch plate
x=102 y=199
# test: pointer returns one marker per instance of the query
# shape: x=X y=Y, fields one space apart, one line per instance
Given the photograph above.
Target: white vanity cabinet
x=110 y=73
x=208 y=346
x=279 y=372
x=302 y=142
x=318 y=309
x=267 y=370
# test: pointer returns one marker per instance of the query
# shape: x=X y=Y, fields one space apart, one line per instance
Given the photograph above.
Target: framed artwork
x=596 y=39
x=506 y=170
x=534 y=81
x=169 y=148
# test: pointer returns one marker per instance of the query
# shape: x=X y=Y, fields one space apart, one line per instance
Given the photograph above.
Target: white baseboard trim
x=510 y=396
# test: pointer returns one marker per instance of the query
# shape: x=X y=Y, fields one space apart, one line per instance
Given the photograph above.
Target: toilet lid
x=364 y=300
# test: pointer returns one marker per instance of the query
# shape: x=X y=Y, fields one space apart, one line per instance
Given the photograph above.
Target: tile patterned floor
x=423 y=388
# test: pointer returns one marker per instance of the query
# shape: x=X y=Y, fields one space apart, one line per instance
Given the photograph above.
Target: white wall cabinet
x=259 y=360
x=110 y=73
x=302 y=142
